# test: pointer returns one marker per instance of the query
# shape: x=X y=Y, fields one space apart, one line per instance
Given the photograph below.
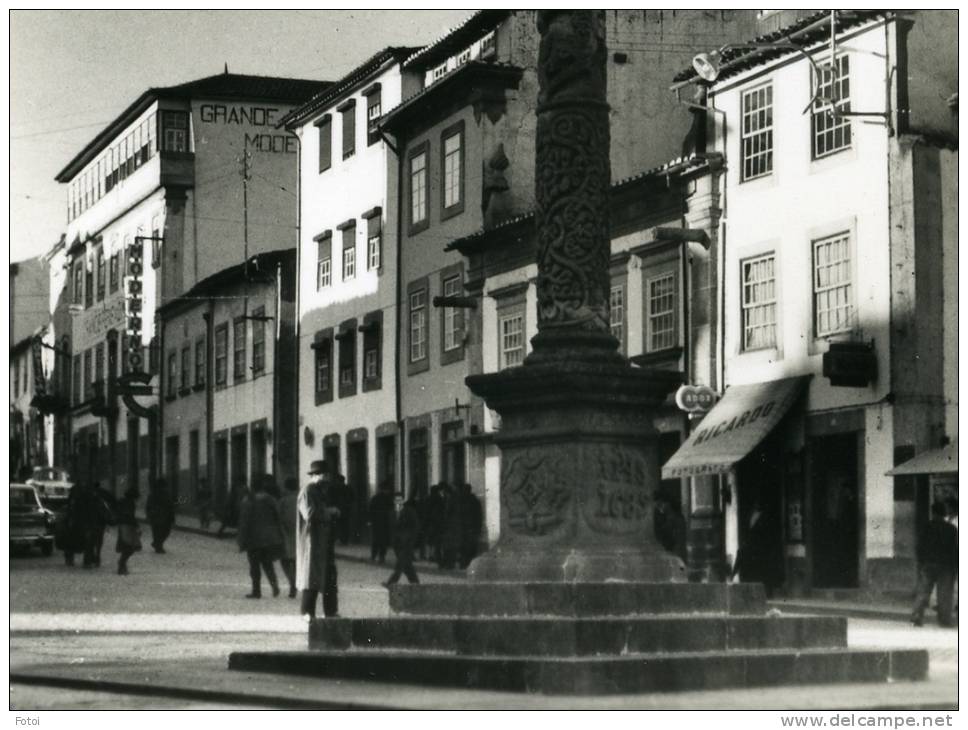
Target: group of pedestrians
x=444 y=526
x=266 y=534
x=91 y=509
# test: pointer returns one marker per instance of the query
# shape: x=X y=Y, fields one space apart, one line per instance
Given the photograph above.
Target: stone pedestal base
x=577 y=565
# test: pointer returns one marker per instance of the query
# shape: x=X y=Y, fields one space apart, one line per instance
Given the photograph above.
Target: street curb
x=168 y=691
x=851 y=611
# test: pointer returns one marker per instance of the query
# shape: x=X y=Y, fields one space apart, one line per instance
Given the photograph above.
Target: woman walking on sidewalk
x=129 y=533
x=260 y=536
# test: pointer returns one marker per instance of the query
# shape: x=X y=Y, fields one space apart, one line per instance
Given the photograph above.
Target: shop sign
x=135 y=302
x=695 y=398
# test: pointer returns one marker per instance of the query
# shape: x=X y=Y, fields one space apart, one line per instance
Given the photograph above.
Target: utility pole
x=246 y=175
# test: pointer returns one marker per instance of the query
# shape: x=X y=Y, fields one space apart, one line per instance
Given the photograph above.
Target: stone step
x=577 y=599
x=568 y=636
x=597 y=675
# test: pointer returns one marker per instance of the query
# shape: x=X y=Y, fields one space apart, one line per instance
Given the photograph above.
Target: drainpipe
x=209 y=318
x=297 y=314
x=397 y=377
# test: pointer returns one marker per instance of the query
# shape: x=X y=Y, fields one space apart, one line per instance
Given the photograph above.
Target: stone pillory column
x=579 y=462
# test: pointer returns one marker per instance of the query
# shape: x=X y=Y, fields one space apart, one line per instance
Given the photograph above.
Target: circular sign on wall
x=695 y=398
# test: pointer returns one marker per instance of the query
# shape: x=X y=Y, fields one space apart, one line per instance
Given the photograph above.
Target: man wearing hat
x=315 y=542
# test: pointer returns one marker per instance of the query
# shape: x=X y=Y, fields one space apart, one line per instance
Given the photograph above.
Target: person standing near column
x=316 y=525
x=937 y=554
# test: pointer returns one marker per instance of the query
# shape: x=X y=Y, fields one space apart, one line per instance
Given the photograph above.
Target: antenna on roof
x=226 y=67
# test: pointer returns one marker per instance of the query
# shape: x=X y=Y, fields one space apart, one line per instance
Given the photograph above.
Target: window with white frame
x=759 y=302
x=661 y=312
x=418 y=325
x=349 y=263
x=832 y=133
x=371 y=364
x=324 y=261
x=453 y=334
x=373 y=252
x=616 y=313
x=452 y=170
x=756 y=135
x=512 y=339
x=832 y=304
x=418 y=188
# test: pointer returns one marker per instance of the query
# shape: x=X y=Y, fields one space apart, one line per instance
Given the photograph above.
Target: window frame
x=325 y=125
x=324 y=255
x=348 y=257
x=239 y=358
x=420 y=362
x=171 y=361
x=221 y=359
x=200 y=362
x=511 y=314
x=847 y=237
x=745 y=341
x=612 y=324
x=373 y=343
x=347 y=112
x=746 y=156
x=452 y=318
x=655 y=276
x=322 y=347
x=185 y=369
x=421 y=224
x=258 y=341
x=100 y=268
x=457 y=206
x=347 y=359
x=374 y=239
x=374 y=100
x=819 y=111
x=166 y=117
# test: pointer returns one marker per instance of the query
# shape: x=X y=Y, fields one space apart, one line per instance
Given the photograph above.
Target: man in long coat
x=316 y=525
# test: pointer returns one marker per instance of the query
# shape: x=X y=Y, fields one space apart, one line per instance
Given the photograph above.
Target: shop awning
x=936 y=461
x=733 y=428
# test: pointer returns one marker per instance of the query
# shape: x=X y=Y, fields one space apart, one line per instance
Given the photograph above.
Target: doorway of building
x=386 y=459
x=452 y=453
x=171 y=467
x=239 y=461
x=221 y=471
x=834 y=512
x=357 y=481
x=760 y=489
x=258 y=455
x=419 y=472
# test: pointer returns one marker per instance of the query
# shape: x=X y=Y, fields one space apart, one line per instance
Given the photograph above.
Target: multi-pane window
x=661 y=307
x=418 y=188
x=78 y=284
x=418 y=325
x=172 y=373
x=88 y=284
x=100 y=273
x=238 y=349
x=258 y=340
x=373 y=247
x=200 y=362
x=616 y=313
x=174 y=131
x=453 y=326
x=759 y=302
x=512 y=340
x=452 y=170
x=114 y=267
x=324 y=262
x=832 y=133
x=374 y=108
x=186 y=367
x=221 y=353
x=349 y=256
x=756 y=135
x=371 y=363
x=833 y=309
x=374 y=239
x=347 y=360
x=323 y=366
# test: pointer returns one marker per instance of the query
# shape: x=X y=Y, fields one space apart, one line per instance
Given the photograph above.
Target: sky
x=71 y=72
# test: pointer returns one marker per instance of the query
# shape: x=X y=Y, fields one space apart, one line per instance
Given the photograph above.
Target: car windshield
x=47 y=474
x=22 y=499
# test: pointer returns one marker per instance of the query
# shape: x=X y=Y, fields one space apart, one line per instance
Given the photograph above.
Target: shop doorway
x=760 y=492
x=356 y=480
x=419 y=456
x=834 y=514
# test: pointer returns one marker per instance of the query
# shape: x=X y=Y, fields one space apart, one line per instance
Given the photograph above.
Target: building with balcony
x=186 y=181
x=348 y=279
x=838 y=251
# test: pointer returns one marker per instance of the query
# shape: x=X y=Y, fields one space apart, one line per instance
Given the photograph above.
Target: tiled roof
x=736 y=60
x=457 y=38
x=221 y=86
x=679 y=164
x=354 y=77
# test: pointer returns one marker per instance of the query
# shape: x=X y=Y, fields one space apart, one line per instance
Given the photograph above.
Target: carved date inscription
x=619 y=498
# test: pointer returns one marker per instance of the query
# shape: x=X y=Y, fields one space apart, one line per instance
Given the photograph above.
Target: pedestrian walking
x=129 y=533
x=756 y=559
x=287 y=517
x=937 y=555
x=405 y=530
x=203 y=503
x=381 y=523
x=260 y=536
x=72 y=535
x=316 y=523
x=160 y=511
x=471 y=522
x=230 y=509
x=102 y=511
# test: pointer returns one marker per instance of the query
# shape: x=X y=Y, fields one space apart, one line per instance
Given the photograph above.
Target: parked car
x=31 y=524
x=53 y=485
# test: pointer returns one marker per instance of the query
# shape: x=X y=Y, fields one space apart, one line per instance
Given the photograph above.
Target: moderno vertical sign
x=135 y=303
